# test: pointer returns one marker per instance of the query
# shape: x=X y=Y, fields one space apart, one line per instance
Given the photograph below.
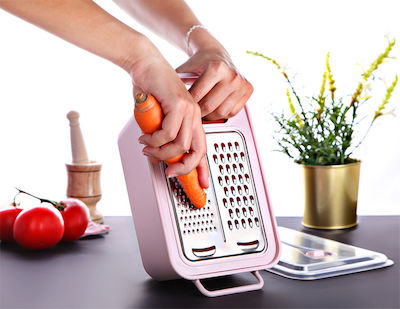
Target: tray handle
x=237 y=289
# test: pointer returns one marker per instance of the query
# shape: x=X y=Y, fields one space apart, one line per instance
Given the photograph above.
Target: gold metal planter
x=330 y=196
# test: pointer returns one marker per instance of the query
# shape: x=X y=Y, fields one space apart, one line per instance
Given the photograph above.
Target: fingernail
x=146 y=153
x=140 y=141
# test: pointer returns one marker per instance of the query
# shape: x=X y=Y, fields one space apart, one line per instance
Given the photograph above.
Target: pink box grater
x=235 y=232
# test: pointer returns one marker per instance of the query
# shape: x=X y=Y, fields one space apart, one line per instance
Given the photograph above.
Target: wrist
x=200 y=40
x=138 y=49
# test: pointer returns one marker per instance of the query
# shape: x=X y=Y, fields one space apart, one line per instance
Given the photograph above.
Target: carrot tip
x=140 y=98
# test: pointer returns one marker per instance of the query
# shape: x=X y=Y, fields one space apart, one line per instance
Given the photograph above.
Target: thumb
x=185 y=67
x=189 y=72
x=192 y=65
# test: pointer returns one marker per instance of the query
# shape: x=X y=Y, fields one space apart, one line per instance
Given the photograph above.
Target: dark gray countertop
x=106 y=272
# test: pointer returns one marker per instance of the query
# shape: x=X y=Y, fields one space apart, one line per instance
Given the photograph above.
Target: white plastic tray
x=308 y=257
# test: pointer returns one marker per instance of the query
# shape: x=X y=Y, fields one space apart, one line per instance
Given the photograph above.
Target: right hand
x=182 y=130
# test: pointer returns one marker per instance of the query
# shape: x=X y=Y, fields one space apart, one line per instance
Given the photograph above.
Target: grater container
x=235 y=232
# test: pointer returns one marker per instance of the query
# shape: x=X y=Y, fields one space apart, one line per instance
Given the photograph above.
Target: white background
x=43 y=77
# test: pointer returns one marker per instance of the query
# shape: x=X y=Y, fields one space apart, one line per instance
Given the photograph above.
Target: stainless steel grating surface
x=230 y=223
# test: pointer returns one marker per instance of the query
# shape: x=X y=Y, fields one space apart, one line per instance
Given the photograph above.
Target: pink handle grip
x=237 y=289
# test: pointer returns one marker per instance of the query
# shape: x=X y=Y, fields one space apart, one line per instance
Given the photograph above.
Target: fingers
x=213 y=99
x=197 y=151
x=242 y=102
x=230 y=106
x=169 y=131
x=203 y=172
x=221 y=92
x=154 y=160
x=180 y=145
x=214 y=108
x=203 y=85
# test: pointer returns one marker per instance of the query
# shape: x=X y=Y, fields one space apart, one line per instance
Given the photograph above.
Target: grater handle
x=228 y=291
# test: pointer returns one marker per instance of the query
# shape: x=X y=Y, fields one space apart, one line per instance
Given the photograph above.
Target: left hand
x=221 y=91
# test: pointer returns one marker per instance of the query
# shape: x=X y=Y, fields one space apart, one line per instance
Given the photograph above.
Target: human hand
x=181 y=131
x=221 y=91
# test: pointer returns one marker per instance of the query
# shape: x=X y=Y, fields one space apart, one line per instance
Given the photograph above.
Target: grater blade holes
x=227 y=181
x=233 y=186
x=223 y=147
x=251 y=211
x=215 y=158
x=237 y=212
x=235 y=169
x=192 y=220
x=238 y=201
x=226 y=191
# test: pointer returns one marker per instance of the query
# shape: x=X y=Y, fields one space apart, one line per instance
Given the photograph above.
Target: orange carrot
x=149 y=116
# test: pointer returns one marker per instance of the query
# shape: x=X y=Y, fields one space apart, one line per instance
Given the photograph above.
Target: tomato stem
x=14 y=202
x=42 y=200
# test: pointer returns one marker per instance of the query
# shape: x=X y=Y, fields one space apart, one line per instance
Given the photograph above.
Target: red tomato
x=75 y=215
x=40 y=227
x=7 y=219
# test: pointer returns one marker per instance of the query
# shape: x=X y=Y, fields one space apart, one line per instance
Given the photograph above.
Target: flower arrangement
x=322 y=134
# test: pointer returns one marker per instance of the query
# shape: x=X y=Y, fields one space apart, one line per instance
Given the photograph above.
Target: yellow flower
x=271 y=60
x=385 y=101
x=293 y=110
x=322 y=91
x=373 y=67
x=330 y=77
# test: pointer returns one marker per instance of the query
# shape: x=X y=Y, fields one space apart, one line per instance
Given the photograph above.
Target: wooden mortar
x=84 y=184
x=83 y=175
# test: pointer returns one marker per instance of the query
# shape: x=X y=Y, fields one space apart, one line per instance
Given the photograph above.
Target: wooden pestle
x=79 y=154
x=83 y=174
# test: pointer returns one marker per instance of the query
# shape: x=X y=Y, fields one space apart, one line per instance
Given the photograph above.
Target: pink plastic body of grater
x=155 y=224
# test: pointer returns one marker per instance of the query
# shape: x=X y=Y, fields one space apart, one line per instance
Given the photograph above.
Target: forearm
x=170 y=19
x=85 y=24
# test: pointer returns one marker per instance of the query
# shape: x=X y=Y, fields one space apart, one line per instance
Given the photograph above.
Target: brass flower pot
x=330 y=196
